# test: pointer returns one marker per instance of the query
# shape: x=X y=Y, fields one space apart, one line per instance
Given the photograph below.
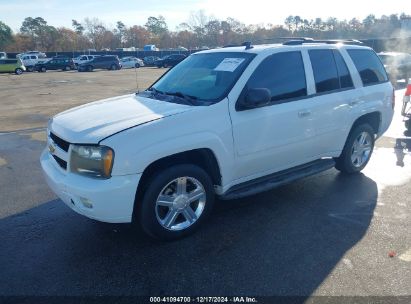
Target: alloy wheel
x=180 y=203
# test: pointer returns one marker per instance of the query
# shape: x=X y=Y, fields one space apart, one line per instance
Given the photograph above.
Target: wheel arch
x=203 y=157
x=373 y=119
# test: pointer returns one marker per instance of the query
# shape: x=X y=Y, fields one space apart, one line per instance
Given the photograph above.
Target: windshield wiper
x=155 y=91
x=191 y=99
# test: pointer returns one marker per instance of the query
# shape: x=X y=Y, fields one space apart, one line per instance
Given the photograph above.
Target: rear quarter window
x=369 y=66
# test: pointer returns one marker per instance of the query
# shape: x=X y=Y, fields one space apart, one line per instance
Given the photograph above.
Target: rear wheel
x=89 y=68
x=18 y=71
x=357 y=150
x=67 y=68
x=176 y=202
x=43 y=69
x=30 y=69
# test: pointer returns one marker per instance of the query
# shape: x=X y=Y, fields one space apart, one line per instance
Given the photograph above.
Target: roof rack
x=247 y=45
x=300 y=41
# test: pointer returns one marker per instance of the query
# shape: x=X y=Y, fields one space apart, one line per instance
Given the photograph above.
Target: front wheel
x=176 y=202
x=357 y=150
x=18 y=71
x=113 y=67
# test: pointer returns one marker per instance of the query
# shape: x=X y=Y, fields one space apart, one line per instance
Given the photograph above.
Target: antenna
x=135 y=69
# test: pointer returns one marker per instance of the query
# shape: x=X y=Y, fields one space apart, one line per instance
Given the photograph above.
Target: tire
x=67 y=68
x=89 y=68
x=362 y=138
x=43 y=69
x=113 y=67
x=137 y=65
x=165 y=65
x=30 y=69
x=176 y=216
x=18 y=71
x=408 y=124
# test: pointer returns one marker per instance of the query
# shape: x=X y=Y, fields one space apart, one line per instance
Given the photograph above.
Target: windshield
x=204 y=77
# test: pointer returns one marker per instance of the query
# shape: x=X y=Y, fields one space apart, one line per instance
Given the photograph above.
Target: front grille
x=61 y=143
x=61 y=162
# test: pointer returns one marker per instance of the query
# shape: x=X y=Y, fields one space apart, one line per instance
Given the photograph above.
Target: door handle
x=304 y=113
x=354 y=102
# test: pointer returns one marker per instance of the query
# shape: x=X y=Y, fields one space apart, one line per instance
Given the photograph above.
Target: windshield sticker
x=229 y=64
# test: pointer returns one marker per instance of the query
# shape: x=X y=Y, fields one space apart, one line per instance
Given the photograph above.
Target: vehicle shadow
x=282 y=242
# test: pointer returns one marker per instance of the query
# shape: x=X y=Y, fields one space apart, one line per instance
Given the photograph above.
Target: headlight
x=94 y=161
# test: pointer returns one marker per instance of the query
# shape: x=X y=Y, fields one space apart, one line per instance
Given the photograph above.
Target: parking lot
x=326 y=235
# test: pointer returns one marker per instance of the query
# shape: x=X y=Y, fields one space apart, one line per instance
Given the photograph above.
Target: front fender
x=204 y=127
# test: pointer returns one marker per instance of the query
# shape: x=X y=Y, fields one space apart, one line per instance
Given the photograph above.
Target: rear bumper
x=112 y=199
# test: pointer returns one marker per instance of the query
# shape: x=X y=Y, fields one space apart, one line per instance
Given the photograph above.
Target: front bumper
x=112 y=199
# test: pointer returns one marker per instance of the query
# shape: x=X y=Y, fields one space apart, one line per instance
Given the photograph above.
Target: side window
x=369 y=66
x=325 y=70
x=343 y=73
x=33 y=57
x=283 y=74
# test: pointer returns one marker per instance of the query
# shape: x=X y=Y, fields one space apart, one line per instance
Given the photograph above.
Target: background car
x=30 y=61
x=83 y=59
x=398 y=65
x=37 y=53
x=3 y=55
x=56 y=63
x=108 y=62
x=169 y=61
x=12 y=66
x=131 y=62
x=149 y=60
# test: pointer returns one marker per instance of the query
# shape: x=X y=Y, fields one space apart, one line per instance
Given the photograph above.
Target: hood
x=95 y=121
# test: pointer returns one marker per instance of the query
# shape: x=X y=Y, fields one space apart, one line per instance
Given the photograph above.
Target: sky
x=135 y=12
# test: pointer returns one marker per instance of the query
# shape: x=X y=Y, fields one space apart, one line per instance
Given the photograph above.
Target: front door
x=278 y=135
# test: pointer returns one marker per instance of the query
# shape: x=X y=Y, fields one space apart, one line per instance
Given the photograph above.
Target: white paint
x=347 y=262
x=406 y=256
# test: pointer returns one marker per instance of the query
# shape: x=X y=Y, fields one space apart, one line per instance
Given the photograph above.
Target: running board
x=277 y=179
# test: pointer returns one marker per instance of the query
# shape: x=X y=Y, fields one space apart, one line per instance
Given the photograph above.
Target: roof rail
x=299 y=41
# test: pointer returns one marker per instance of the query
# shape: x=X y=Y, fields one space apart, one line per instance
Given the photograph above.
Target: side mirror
x=255 y=98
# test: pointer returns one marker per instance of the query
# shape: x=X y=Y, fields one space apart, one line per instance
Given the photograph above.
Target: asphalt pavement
x=326 y=235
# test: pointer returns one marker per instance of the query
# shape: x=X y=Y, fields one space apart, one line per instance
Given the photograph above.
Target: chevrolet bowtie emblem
x=52 y=148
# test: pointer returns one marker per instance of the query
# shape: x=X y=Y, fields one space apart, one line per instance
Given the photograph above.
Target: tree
x=289 y=22
x=136 y=36
x=120 y=30
x=78 y=27
x=156 y=25
x=42 y=35
x=95 y=31
x=6 y=35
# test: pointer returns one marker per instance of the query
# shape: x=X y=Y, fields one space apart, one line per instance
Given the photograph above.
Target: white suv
x=226 y=122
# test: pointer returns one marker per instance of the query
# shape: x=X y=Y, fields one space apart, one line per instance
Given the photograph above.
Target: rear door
x=330 y=106
x=277 y=136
